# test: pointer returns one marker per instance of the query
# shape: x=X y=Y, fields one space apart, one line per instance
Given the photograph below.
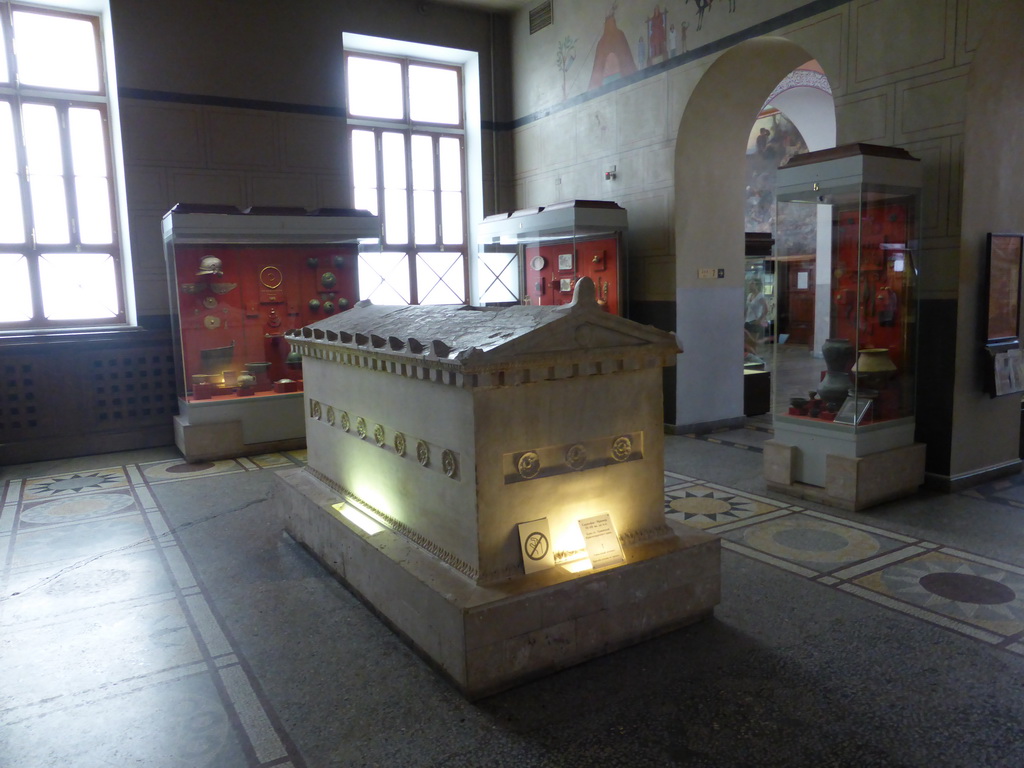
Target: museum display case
x=238 y=281
x=855 y=398
x=537 y=255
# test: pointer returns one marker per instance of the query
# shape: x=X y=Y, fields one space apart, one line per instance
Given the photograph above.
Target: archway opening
x=710 y=204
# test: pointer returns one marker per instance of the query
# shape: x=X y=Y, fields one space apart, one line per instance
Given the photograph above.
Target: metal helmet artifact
x=210 y=265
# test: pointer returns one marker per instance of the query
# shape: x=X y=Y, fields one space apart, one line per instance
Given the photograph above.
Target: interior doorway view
x=781 y=270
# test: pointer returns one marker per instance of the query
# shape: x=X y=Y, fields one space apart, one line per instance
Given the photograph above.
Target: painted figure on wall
x=613 y=58
x=656 y=35
x=702 y=6
x=564 y=58
x=773 y=140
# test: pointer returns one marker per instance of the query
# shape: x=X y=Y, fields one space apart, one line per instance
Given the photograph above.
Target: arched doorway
x=709 y=226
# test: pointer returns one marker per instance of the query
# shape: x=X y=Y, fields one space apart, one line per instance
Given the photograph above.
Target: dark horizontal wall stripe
x=265 y=106
x=223 y=101
x=755 y=30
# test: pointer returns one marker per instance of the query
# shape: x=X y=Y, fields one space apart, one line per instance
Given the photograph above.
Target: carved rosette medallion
x=449 y=463
x=399 y=443
x=576 y=457
x=622 y=448
x=423 y=453
x=378 y=436
x=361 y=426
x=528 y=465
x=330 y=415
x=314 y=409
x=345 y=423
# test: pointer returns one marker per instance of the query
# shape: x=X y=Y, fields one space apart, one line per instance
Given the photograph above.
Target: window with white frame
x=407 y=131
x=60 y=259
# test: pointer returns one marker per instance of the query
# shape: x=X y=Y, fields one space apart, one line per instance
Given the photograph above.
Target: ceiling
x=495 y=5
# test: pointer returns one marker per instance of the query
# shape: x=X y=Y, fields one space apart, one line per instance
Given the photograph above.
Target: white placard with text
x=602 y=541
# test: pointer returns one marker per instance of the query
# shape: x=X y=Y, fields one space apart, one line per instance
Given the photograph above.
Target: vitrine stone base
x=851 y=482
x=241 y=427
x=488 y=638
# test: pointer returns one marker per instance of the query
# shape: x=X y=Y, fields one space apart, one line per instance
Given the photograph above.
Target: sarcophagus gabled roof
x=474 y=340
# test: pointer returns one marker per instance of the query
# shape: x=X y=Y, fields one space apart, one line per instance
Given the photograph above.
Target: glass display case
x=854 y=397
x=536 y=255
x=238 y=281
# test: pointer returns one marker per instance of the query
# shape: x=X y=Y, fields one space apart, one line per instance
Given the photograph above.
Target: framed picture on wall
x=1003 y=296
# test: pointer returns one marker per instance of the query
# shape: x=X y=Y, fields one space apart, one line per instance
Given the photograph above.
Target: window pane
x=92 y=186
x=433 y=95
x=440 y=278
x=56 y=52
x=364 y=159
x=366 y=199
x=450 y=155
x=424 y=217
x=396 y=203
x=94 y=221
x=12 y=222
x=88 y=143
x=374 y=88
x=393 y=146
x=422 y=162
x=384 y=278
x=396 y=216
x=5 y=74
x=42 y=139
x=49 y=209
x=452 y=231
x=78 y=286
x=498 y=277
x=17 y=304
x=45 y=173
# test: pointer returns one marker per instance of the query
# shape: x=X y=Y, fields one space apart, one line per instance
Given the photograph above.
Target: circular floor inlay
x=199 y=466
x=76 y=509
x=811 y=540
x=967 y=588
x=700 y=506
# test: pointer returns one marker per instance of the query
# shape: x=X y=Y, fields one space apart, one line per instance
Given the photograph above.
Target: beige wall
x=899 y=71
x=993 y=169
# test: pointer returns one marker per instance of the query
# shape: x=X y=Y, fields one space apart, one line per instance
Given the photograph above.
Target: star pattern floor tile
x=73 y=483
x=704 y=506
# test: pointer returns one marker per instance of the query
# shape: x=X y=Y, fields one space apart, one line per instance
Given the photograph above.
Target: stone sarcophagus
x=440 y=439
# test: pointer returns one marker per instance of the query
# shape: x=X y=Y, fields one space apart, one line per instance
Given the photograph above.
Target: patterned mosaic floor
x=169 y=649
x=164 y=648
x=960 y=591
